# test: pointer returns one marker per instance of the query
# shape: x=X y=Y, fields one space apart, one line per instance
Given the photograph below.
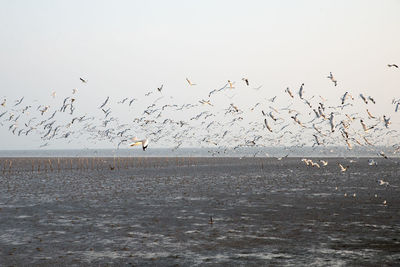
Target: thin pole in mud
x=51 y=165
x=38 y=166
x=32 y=165
x=10 y=165
x=71 y=164
x=58 y=164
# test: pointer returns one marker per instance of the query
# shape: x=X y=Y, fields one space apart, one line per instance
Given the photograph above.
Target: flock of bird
x=214 y=121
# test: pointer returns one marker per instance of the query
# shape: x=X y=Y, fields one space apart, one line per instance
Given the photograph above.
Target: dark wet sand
x=156 y=211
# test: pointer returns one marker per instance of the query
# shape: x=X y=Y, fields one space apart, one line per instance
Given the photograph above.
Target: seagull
x=364 y=99
x=122 y=101
x=301 y=91
x=83 y=80
x=208 y=102
x=74 y=91
x=365 y=126
x=53 y=94
x=393 y=65
x=382 y=182
x=289 y=92
x=130 y=102
x=230 y=84
x=332 y=78
x=382 y=154
x=344 y=97
x=190 y=83
x=266 y=125
x=17 y=102
x=324 y=162
x=105 y=102
x=372 y=100
x=386 y=121
x=160 y=88
x=343 y=169
x=370 y=115
x=136 y=142
x=246 y=81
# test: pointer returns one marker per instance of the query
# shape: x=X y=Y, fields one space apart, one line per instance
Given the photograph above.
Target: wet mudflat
x=156 y=211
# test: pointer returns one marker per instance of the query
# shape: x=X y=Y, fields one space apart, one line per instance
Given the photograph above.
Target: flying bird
x=83 y=80
x=189 y=82
x=289 y=92
x=246 y=81
x=382 y=182
x=137 y=142
x=230 y=84
x=343 y=169
x=393 y=65
x=105 y=102
x=332 y=78
x=301 y=91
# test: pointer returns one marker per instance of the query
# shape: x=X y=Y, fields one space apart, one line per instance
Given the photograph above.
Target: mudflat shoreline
x=156 y=211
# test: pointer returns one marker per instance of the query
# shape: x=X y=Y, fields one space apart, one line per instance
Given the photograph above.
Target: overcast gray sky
x=127 y=48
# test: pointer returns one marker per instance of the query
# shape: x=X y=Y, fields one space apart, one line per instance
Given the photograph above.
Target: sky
x=127 y=48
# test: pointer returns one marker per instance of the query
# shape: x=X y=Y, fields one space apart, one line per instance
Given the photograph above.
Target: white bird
x=289 y=92
x=343 y=169
x=105 y=102
x=364 y=98
x=301 y=91
x=190 y=83
x=208 y=102
x=137 y=142
x=386 y=121
x=324 y=162
x=332 y=78
x=382 y=182
x=370 y=115
x=345 y=96
x=266 y=125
